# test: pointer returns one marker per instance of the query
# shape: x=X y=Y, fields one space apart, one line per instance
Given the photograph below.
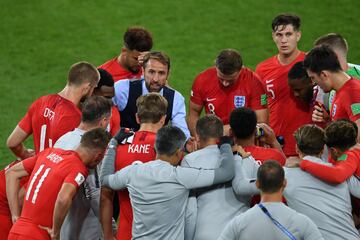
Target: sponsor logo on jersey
x=239 y=101
x=210 y=99
x=79 y=179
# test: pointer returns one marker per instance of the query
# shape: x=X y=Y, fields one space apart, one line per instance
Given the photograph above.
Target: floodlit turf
x=41 y=39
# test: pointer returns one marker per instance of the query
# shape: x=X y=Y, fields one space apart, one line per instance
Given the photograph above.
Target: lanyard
x=281 y=227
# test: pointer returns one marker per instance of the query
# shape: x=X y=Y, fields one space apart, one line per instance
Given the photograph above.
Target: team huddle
x=117 y=156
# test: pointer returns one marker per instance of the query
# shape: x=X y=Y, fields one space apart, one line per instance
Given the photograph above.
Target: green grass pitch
x=41 y=39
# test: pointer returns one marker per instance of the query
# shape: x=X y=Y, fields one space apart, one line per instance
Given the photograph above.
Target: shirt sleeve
x=26 y=123
x=121 y=89
x=245 y=177
x=258 y=99
x=278 y=156
x=354 y=186
x=353 y=110
x=77 y=176
x=119 y=180
x=333 y=174
x=310 y=230
x=196 y=95
x=232 y=230
x=178 y=117
x=29 y=163
x=190 y=217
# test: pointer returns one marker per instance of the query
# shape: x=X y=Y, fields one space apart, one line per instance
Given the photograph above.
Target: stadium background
x=41 y=39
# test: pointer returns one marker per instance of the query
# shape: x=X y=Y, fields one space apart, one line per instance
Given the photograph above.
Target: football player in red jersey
x=323 y=67
x=137 y=42
x=151 y=116
x=51 y=116
x=55 y=177
x=224 y=87
x=286 y=112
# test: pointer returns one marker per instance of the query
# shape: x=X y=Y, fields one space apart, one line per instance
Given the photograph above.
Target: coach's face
x=155 y=74
x=286 y=39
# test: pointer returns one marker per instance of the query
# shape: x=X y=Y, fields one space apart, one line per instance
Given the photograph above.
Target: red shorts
x=15 y=236
x=5 y=226
x=24 y=229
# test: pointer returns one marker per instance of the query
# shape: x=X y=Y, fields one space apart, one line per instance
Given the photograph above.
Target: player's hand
x=14 y=219
x=269 y=135
x=27 y=153
x=320 y=114
x=191 y=145
x=241 y=151
x=123 y=134
x=293 y=162
x=51 y=233
x=141 y=57
x=227 y=130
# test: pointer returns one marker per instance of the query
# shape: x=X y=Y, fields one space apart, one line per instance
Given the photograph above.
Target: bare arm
x=106 y=212
x=262 y=115
x=62 y=206
x=13 y=176
x=15 y=143
x=194 y=114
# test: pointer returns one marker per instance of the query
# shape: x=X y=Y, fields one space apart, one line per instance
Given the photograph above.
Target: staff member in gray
x=159 y=189
x=271 y=219
x=82 y=221
x=156 y=69
x=329 y=206
x=216 y=205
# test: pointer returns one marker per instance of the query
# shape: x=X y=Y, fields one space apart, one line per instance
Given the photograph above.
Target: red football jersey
x=48 y=118
x=49 y=170
x=114 y=124
x=262 y=154
x=118 y=72
x=141 y=149
x=207 y=91
x=5 y=215
x=345 y=166
x=347 y=101
x=287 y=113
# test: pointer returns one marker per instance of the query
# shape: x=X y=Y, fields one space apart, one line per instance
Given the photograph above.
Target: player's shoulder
x=269 y=62
x=108 y=64
x=206 y=74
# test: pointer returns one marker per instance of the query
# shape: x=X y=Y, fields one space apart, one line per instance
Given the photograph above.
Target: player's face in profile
x=155 y=74
x=131 y=60
x=320 y=80
x=302 y=89
x=227 y=80
x=97 y=157
x=286 y=39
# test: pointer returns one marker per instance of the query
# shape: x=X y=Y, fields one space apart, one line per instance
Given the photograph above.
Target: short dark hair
x=158 y=56
x=209 y=126
x=334 y=41
x=270 y=176
x=138 y=38
x=96 y=138
x=298 y=71
x=83 y=72
x=284 y=19
x=228 y=61
x=95 y=108
x=243 y=122
x=169 y=139
x=310 y=139
x=341 y=134
x=322 y=58
x=106 y=79
x=151 y=107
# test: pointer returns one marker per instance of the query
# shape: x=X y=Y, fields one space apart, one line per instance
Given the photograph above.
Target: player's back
x=328 y=205
x=216 y=205
x=52 y=168
x=262 y=154
x=141 y=149
x=48 y=118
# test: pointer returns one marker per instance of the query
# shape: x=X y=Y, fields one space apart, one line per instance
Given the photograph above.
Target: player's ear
x=162 y=120
x=257 y=184
x=298 y=35
x=137 y=118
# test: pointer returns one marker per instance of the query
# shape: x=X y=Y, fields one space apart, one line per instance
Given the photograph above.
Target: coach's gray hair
x=168 y=140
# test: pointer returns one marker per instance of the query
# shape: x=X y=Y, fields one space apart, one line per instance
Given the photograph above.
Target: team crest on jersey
x=333 y=110
x=239 y=101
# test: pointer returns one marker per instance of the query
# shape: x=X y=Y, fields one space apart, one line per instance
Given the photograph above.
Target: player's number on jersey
x=270 y=88
x=41 y=175
x=43 y=137
x=211 y=108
